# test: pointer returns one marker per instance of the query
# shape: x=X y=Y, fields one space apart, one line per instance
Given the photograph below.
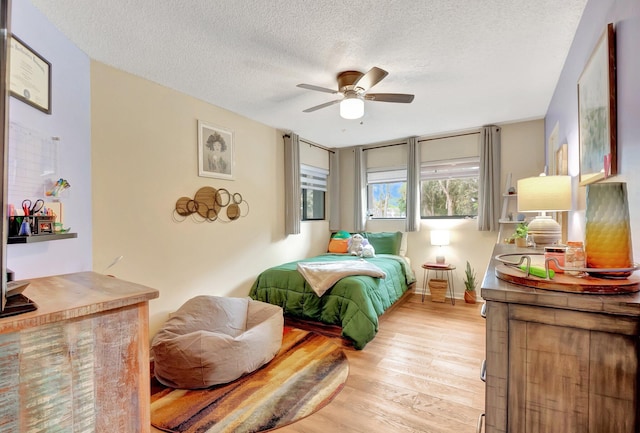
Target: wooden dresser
x=80 y=362
x=560 y=362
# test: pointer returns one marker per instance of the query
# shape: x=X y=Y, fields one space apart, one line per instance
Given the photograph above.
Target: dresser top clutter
x=495 y=289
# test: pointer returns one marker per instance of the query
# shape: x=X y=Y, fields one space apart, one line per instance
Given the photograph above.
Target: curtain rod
x=420 y=141
x=384 y=145
x=312 y=144
x=450 y=136
x=392 y=144
x=318 y=146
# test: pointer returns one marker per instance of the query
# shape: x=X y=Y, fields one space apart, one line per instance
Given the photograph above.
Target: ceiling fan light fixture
x=352 y=107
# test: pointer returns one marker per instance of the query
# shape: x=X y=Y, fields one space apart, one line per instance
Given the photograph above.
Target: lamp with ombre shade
x=544 y=194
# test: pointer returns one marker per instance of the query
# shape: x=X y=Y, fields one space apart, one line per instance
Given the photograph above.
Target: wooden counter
x=80 y=362
x=558 y=361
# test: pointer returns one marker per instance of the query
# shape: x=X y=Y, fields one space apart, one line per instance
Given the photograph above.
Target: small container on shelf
x=42 y=224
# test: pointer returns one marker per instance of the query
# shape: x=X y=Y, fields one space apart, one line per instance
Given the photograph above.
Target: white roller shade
x=313 y=177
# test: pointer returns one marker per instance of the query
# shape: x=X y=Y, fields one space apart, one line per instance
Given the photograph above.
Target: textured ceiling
x=468 y=62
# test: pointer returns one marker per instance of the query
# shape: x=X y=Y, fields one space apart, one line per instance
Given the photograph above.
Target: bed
x=354 y=303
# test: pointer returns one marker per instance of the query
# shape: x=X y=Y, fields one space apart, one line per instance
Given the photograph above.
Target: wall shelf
x=506 y=198
x=40 y=238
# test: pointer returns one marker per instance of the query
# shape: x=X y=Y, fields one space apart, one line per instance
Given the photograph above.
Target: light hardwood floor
x=420 y=374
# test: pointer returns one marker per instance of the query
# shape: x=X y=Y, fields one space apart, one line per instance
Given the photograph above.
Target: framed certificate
x=29 y=76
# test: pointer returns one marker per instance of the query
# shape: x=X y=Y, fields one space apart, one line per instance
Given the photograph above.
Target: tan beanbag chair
x=212 y=340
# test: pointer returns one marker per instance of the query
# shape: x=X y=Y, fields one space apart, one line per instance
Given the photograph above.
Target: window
x=387 y=193
x=312 y=205
x=449 y=170
x=449 y=188
x=313 y=183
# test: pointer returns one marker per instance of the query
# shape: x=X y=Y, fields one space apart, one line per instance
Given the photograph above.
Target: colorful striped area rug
x=307 y=373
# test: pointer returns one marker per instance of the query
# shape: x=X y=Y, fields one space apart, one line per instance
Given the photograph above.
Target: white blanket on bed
x=322 y=275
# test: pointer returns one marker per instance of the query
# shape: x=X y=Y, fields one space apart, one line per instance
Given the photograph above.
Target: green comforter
x=354 y=302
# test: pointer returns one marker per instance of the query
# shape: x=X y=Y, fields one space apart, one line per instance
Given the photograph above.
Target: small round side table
x=444 y=271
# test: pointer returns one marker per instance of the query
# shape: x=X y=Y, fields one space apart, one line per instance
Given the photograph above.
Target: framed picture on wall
x=215 y=151
x=597 y=112
x=29 y=76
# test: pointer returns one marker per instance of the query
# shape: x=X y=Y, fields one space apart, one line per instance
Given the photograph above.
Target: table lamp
x=439 y=238
x=544 y=194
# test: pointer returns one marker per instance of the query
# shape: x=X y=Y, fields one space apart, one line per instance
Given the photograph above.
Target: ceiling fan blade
x=371 y=78
x=389 y=97
x=317 y=107
x=316 y=88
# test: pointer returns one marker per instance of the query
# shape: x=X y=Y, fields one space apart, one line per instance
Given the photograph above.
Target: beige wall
x=144 y=157
x=522 y=149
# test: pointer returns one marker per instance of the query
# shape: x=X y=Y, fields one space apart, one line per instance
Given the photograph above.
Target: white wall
x=70 y=121
x=145 y=157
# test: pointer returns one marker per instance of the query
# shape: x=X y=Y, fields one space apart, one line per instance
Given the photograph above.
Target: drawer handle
x=483 y=371
x=479 y=426
x=483 y=310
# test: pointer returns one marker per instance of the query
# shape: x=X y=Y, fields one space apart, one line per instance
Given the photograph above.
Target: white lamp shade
x=351 y=107
x=439 y=237
x=544 y=194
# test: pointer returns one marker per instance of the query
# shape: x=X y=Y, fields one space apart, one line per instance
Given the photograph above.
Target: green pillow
x=384 y=242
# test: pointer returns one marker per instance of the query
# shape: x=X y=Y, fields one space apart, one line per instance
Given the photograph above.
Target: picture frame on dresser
x=597 y=111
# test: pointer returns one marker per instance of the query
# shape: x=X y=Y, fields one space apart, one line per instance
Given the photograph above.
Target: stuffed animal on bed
x=359 y=246
x=368 y=251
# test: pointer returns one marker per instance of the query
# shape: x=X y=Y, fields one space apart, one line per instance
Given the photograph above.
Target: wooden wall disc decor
x=233 y=212
x=206 y=198
x=192 y=206
x=222 y=197
x=208 y=203
x=182 y=206
x=212 y=214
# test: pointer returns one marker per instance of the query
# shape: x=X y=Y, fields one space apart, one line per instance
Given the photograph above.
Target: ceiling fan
x=353 y=86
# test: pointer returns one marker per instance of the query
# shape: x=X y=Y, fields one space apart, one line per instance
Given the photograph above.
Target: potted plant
x=470 y=284
x=520 y=235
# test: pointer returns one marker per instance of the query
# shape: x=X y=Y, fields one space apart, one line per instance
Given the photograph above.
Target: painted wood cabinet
x=560 y=362
x=81 y=361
